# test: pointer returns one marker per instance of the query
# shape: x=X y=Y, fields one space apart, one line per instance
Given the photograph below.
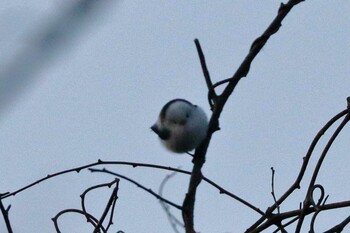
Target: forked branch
x=218 y=105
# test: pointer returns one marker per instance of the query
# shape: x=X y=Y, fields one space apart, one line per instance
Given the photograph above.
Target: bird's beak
x=163 y=133
x=155 y=129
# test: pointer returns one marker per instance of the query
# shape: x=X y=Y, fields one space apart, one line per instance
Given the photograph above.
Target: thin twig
x=83 y=195
x=110 y=205
x=224 y=191
x=99 y=162
x=273 y=188
x=93 y=222
x=287 y=224
x=174 y=222
x=212 y=96
x=137 y=184
x=132 y=164
x=307 y=201
x=340 y=227
x=5 y=214
x=89 y=217
x=296 y=184
x=277 y=218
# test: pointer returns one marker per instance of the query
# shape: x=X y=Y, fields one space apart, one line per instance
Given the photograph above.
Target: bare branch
x=89 y=217
x=307 y=201
x=242 y=71
x=93 y=221
x=277 y=218
x=224 y=191
x=83 y=197
x=99 y=162
x=306 y=159
x=5 y=214
x=174 y=222
x=110 y=205
x=134 y=165
x=286 y=224
x=273 y=188
x=212 y=96
x=339 y=228
x=137 y=184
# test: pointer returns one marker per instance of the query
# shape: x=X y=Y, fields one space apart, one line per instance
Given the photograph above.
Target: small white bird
x=181 y=126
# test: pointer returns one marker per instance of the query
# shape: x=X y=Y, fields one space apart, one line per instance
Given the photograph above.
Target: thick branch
x=242 y=71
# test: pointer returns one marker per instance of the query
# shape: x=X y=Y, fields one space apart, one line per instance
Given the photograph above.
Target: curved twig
x=100 y=162
x=137 y=184
x=312 y=223
x=307 y=202
x=174 y=222
x=321 y=201
x=277 y=218
x=325 y=151
x=82 y=196
x=296 y=184
x=93 y=221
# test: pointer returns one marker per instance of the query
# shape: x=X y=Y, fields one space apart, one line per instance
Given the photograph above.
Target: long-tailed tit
x=181 y=126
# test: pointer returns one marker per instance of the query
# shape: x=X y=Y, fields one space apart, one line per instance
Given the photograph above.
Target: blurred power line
x=47 y=43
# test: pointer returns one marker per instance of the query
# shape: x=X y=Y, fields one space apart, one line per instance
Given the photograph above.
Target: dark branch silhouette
x=97 y=223
x=138 y=185
x=340 y=227
x=220 y=101
x=134 y=165
x=5 y=214
x=273 y=188
x=270 y=220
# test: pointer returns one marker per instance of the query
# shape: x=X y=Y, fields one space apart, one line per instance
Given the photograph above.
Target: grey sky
x=101 y=91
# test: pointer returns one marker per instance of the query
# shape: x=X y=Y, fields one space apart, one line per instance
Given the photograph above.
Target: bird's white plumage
x=181 y=126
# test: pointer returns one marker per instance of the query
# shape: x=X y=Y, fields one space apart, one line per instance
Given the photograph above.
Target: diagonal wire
x=47 y=44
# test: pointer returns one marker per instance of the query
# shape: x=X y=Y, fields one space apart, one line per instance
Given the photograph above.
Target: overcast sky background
x=96 y=95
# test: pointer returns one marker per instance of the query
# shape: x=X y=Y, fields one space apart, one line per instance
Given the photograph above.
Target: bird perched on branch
x=181 y=126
